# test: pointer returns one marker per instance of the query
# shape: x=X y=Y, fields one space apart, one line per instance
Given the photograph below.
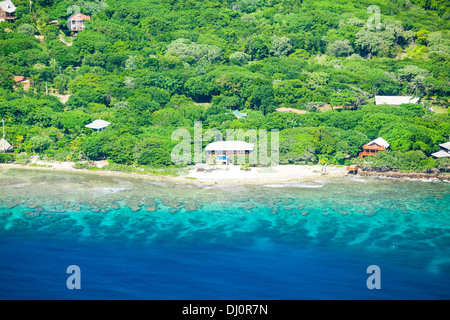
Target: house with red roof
x=76 y=22
x=373 y=147
x=22 y=82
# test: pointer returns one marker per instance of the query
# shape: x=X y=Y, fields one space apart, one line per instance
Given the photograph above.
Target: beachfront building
x=7 y=10
x=444 y=152
x=288 y=110
x=98 y=125
x=373 y=147
x=395 y=100
x=76 y=22
x=4 y=145
x=224 y=151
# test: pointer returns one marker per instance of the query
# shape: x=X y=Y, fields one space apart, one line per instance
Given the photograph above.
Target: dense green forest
x=150 y=67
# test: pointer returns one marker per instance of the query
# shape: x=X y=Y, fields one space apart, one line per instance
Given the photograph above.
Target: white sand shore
x=228 y=174
x=282 y=173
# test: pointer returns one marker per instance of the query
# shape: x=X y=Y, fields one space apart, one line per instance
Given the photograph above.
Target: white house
x=76 y=22
x=7 y=10
x=444 y=152
x=395 y=100
x=98 y=125
x=224 y=150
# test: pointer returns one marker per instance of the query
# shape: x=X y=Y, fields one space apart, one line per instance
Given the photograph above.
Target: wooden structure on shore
x=352 y=169
x=373 y=147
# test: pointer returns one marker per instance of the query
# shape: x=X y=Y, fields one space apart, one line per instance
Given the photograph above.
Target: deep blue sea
x=135 y=238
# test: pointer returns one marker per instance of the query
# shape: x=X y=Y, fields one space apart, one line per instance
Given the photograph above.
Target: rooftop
x=441 y=154
x=291 y=110
x=229 y=146
x=20 y=78
x=8 y=6
x=445 y=145
x=98 y=124
x=5 y=146
x=379 y=141
x=79 y=16
x=395 y=100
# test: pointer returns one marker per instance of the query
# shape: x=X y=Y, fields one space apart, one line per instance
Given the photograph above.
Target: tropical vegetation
x=150 y=67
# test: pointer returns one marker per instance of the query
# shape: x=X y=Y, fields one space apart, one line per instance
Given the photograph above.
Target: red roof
x=20 y=78
x=79 y=16
x=291 y=110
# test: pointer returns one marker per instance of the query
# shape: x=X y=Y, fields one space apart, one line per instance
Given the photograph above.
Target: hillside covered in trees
x=150 y=67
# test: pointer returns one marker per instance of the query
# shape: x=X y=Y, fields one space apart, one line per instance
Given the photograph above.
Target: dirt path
x=62 y=40
x=62 y=98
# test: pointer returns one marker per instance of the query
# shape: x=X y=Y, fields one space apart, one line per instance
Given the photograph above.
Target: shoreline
x=229 y=175
x=232 y=175
x=407 y=175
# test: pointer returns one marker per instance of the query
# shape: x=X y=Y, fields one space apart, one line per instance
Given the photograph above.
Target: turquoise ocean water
x=135 y=238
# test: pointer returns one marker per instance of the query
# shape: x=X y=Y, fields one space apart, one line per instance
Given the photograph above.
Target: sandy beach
x=231 y=174
x=224 y=174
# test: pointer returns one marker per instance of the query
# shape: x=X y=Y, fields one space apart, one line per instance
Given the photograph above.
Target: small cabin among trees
x=98 y=125
x=76 y=22
x=444 y=152
x=22 y=82
x=7 y=10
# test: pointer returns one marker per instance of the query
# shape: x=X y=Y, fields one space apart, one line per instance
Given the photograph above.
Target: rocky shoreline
x=433 y=175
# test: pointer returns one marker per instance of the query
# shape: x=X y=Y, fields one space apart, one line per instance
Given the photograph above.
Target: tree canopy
x=151 y=66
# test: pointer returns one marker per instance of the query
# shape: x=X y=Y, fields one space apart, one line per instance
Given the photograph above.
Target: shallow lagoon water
x=135 y=238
